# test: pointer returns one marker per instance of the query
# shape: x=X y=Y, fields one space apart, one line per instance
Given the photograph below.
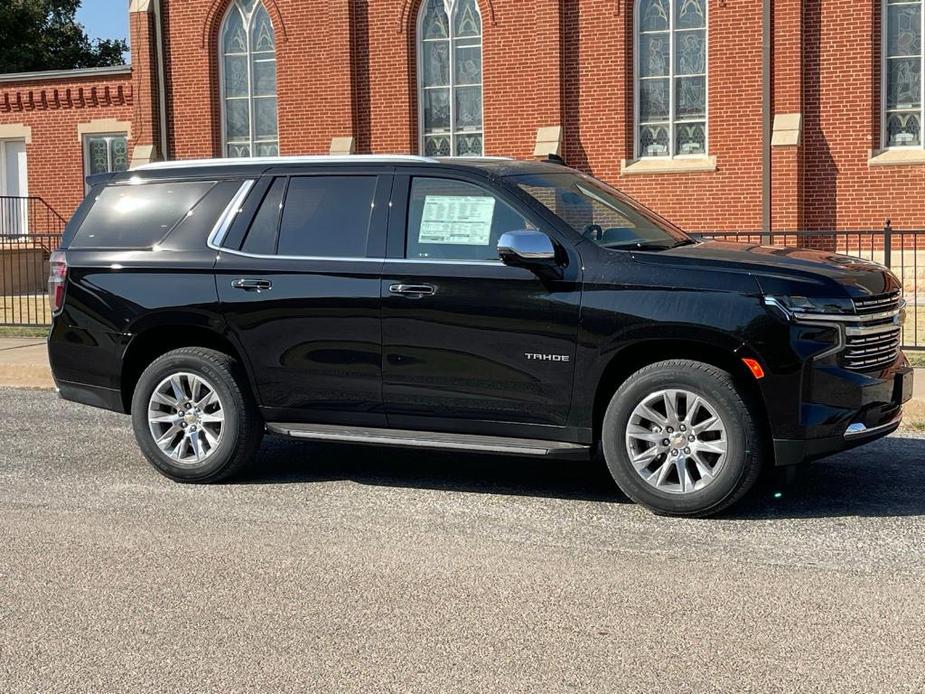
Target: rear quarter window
x=138 y=216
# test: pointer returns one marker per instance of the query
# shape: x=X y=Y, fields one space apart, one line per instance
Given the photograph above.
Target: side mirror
x=525 y=247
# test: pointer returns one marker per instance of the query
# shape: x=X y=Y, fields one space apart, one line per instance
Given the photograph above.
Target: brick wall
x=347 y=67
x=54 y=109
x=314 y=81
x=146 y=121
x=787 y=95
x=842 y=112
x=545 y=62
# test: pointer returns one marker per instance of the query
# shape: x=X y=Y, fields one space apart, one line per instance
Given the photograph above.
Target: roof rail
x=313 y=159
x=282 y=161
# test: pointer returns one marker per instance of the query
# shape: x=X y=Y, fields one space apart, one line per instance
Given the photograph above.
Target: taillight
x=57 y=275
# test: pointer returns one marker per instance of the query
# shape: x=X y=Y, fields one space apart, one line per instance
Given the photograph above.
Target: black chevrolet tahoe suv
x=482 y=305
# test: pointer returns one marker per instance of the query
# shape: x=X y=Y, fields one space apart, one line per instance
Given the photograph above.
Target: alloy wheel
x=676 y=441
x=186 y=418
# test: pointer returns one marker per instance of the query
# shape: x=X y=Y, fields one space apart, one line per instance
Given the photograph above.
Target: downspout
x=766 y=118
x=161 y=78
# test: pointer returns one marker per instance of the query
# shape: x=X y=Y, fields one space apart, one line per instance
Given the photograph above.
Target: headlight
x=806 y=308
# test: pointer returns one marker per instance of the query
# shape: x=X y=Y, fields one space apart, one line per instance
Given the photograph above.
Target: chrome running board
x=427 y=439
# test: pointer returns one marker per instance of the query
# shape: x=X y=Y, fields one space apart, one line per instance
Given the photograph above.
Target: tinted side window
x=261 y=238
x=452 y=220
x=76 y=220
x=193 y=230
x=327 y=216
x=137 y=216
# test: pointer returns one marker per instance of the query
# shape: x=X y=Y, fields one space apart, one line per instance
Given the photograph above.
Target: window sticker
x=460 y=220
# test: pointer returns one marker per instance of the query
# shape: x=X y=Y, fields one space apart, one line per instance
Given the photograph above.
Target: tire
x=216 y=439
x=721 y=420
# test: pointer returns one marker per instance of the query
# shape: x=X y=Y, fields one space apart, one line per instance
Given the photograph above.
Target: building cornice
x=49 y=75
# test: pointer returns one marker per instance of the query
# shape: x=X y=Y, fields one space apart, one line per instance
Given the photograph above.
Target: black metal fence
x=25 y=250
x=29 y=231
x=24 y=278
x=903 y=251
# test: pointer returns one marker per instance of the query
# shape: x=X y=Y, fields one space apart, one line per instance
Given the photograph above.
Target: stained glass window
x=671 y=80
x=248 y=64
x=903 y=73
x=105 y=153
x=450 y=78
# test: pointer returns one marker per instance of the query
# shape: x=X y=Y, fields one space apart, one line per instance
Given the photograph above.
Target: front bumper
x=796 y=451
x=843 y=409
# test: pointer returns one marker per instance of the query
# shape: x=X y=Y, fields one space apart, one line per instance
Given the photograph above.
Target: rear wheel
x=680 y=439
x=194 y=416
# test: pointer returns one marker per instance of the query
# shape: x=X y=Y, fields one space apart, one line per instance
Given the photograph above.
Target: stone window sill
x=659 y=165
x=914 y=156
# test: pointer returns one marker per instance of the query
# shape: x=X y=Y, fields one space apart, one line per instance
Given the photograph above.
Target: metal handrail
x=29 y=214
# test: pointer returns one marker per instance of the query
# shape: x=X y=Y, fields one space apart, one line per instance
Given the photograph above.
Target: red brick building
x=675 y=101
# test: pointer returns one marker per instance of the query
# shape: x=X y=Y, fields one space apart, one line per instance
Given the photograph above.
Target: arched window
x=671 y=78
x=902 y=73
x=450 y=78
x=248 y=68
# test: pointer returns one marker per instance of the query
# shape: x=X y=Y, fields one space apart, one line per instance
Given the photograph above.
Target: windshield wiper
x=639 y=246
x=649 y=245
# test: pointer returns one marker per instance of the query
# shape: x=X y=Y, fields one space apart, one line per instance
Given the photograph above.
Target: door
x=300 y=295
x=14 y=188
x=470 y=344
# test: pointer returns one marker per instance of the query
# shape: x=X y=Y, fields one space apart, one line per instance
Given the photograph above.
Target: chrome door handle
x=413 y=291
x=253 y=285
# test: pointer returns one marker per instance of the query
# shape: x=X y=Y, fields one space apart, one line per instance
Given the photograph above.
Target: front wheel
x=679 y=438
x=194 y=416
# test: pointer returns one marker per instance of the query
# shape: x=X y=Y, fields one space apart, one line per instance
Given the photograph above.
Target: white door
x=14 y=187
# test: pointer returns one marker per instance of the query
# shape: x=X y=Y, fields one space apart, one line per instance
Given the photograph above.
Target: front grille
x=874 y=341
x=866 y=349
x=878 y=304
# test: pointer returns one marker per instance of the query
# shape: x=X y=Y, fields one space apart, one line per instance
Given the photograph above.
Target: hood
x=771 y=265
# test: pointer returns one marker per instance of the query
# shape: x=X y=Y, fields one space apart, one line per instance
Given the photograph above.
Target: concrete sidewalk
x=24 y=363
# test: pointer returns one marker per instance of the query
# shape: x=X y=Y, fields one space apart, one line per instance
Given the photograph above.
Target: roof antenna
x=553 y=158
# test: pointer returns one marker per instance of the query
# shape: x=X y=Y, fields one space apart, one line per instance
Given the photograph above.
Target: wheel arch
x=632 y=358
x=148 y=345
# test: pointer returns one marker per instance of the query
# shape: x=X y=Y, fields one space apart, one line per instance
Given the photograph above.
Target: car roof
x=499 y=166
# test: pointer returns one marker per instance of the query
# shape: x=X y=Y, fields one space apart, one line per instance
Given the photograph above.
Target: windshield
x=600 y=213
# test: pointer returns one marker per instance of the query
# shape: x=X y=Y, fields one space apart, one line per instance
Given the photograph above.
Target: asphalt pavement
x=335 y=569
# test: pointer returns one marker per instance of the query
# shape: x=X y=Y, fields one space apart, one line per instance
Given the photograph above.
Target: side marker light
x=755 y=368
